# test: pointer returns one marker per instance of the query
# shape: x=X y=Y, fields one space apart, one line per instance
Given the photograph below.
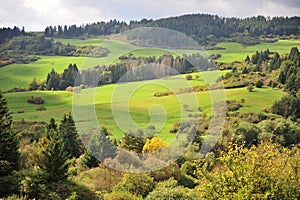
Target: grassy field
x=116 y=48
x=20 y=75
x=236 y=52
x=81 y=42
x=138 y=98
x=145 y=109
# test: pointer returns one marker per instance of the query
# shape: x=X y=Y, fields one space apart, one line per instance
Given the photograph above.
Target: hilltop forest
x=201 y=27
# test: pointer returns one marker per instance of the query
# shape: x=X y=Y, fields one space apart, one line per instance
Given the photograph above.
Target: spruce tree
x=294 y=54
x=247 y=60
x=67 y=129
x=52 y=125
x=53 y=162
x=99 y=148
x=9 y=146
x=53 y=80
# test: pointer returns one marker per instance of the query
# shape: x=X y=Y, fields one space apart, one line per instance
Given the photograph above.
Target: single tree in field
x=53 y=162
x=9 y=146
x=250 y=87
x=33 y=85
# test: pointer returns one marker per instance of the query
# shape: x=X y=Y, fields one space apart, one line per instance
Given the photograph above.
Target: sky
x=35 y=15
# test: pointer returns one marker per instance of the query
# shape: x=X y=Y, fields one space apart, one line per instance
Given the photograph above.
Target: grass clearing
x=140 y=103
x=20 y=75
x=236 y=52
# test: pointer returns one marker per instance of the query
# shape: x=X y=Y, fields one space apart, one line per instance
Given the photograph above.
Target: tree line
x=129 y=69
x=7 y=33
x=36 y=45
x=198 y=26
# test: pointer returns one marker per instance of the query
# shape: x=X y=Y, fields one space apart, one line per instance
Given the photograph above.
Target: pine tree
x=68 y=76
x=245 y=70
x=276 y=62
x=133 y=141
x=52 y=125
x=99 y=148
x=67 y=129
x=53 y=162
x=53 y=80
x=294 y=54
x=255 y=57
x=247 y=60
x=9 y=146
x=33 y=85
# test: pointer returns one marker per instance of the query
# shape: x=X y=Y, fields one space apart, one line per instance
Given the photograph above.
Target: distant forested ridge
x=198 y=26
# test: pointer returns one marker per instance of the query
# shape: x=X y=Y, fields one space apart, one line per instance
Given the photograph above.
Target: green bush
x=250 y=88
x=259 y=84
x=169 y=190
x=35 y=100
x=119 y=195
x=138 y=184
x=188 y=77
x=162 y=94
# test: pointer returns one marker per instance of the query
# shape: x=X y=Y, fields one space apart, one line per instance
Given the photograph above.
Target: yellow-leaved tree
x=153 y=145
x=268 y=171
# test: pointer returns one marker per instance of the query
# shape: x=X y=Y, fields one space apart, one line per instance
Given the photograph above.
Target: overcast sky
x=37 y=14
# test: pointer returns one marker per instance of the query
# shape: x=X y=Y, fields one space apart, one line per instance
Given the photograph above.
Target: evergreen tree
x=245 y=70
x=133 y=141
x=53 y=80
x=294 y=54
x=33 y=85
x=9 y=146
x=99 y=148
x=67 y=129
x=53 y=162
x=247 y=60
x=275 y=62
x=68 y=77
x=52 y=125
x=287 y=106
x=255 y=57
x=59 y=31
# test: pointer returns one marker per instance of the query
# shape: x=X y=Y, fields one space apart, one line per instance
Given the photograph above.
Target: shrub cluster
x=161 y=94
x=35 y=100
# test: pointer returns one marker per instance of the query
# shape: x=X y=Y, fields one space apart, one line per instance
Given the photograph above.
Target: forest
x=201 y=27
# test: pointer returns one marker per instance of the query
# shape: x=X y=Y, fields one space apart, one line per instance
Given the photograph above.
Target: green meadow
x=20 y=75
x=112 y=102
x=237 y=52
